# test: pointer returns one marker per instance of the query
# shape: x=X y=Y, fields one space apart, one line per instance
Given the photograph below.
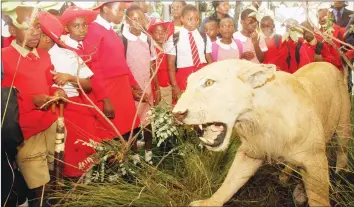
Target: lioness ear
x=257 y=75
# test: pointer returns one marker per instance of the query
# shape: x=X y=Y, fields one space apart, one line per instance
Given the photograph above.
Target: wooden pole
x=59 y=148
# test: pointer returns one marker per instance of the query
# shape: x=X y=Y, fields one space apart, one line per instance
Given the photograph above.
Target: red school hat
x=170 y=27
x=74 y=12
x=51 y=26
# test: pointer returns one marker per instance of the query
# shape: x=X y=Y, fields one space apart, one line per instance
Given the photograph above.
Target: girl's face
x=136 y=20
x=267 y=27
x=249 y=24
x=211 y=29
x=176 y=9
x=77 y=28
x=223 y=8
x=159 y=34
x=226 y=28
x=190 y=20
x=115 y=12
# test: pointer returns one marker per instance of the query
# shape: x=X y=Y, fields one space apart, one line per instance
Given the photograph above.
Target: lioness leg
x=242 y=168
x=343 y=134
x=316 y=179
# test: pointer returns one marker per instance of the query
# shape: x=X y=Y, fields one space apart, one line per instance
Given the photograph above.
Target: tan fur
x=277 y=116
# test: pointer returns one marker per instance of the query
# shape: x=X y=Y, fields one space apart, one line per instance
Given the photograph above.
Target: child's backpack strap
x=214 y=51
x=319 y=46
x=239 y=45
x=277 y=39
x=175 y=39
x=297 y=52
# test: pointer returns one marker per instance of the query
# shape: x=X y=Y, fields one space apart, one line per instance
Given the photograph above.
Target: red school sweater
x=33 y=77
x=107 y=57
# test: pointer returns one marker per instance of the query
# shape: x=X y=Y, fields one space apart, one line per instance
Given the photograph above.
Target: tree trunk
x=237 y=13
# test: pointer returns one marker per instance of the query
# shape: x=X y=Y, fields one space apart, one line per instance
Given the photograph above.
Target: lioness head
x=217 y=95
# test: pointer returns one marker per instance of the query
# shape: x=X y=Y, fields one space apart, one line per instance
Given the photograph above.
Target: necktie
x=79 y=46
x=194 y=49
x=31 y=56
x=339 y=18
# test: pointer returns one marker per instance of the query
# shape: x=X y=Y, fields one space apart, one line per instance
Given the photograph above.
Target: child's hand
x=39 y=100
x=247 y=55
x=108 y=108
x=176 y=92
x=317 y=58
x=254 y=37
x=157 y=97
x=62 y=79
x=138 y=94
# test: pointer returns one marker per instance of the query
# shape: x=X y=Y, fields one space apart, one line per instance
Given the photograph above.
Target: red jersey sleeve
x=305 y=58
x=331 y=55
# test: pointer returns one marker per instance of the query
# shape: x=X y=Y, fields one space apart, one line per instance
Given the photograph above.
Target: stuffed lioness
x=279 y=116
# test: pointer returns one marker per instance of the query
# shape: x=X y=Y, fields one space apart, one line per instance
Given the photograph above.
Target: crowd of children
x=126 y=73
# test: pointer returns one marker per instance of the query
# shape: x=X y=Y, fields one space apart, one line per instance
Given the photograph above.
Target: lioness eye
x=209 y=82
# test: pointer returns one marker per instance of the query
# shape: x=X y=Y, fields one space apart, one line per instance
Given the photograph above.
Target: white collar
x=240 y=36
x=70 y=42
x=127 y=34
x=225 y=46
x=54 y=49
x=104 y=23
x=184 y=30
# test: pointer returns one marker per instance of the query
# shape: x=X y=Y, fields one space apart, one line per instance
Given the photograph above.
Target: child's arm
x=153 y=68
x=256 y=43
x=208 y=51
x=176 y=91
x=208 y=58
x=62 y=79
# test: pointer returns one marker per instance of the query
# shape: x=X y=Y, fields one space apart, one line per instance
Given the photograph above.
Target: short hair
x=245 y=13
x=133 y=8
x=188 y=8
x=307 y=25
x=108 y=4
x=54 y=12
x=226 y=18
x=265 y=18
x=209 y=20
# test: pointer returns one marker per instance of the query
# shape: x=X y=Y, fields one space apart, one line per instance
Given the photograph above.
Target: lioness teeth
x=200 y=127
x=204 y=140
x=215 y=128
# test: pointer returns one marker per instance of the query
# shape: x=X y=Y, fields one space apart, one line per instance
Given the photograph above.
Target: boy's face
x=223 y=7
x=308 y=36
x=190 y=20
x=322 y=16
x=176 y=9
x=227 y=28
x=249 y=24
x=211 y=29
x=136 y=20
x=115 y=12
x=267 y=27
x=159 y=34
x=77 y=28
x=31 y=35
x=45 y=42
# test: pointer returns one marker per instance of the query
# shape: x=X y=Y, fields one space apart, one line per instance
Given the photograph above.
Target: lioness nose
x=180 y=115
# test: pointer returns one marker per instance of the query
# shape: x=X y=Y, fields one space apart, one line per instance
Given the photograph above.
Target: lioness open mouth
x=212 y=134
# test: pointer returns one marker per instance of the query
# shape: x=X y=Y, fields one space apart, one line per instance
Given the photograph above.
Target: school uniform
x=221 y=51
x=275 y=51
x=115 y=78
x=248 y=45
x=32 y=71
x=139 y=57
x=163 y=79
x=310 y=48
x=287 y=58
x=185 y=64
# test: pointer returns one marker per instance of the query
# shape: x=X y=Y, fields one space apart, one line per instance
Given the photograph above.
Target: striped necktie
x=79 y=46
x=194 y=49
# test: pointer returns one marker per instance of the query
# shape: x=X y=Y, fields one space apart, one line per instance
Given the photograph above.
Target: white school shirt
x=70 y=42
x=184 y=56
x=143 y=37
x=65 y=61
x=248 y=45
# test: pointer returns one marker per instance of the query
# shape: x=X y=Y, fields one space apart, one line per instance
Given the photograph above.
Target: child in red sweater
x=160 y=32
x=317 y=51
x=29 y=68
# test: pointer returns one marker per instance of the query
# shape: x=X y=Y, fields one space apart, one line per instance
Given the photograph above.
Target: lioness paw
x=207 y=202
